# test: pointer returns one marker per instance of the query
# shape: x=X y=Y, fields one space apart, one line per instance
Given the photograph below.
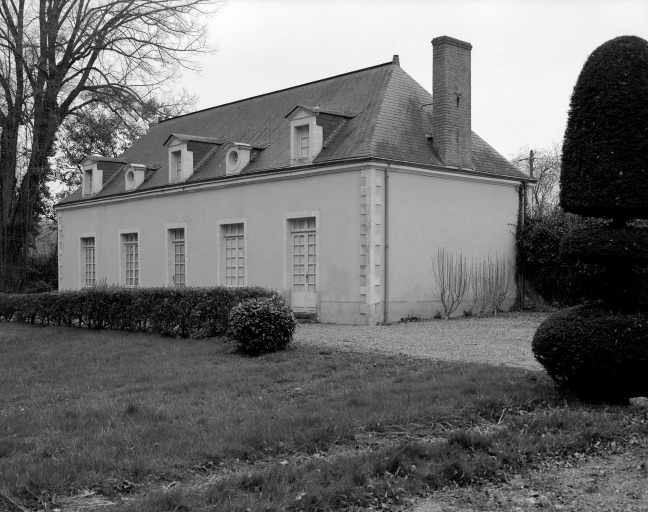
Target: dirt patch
x=611 y=482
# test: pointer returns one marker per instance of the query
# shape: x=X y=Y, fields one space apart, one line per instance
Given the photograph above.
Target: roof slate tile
x=390 y=121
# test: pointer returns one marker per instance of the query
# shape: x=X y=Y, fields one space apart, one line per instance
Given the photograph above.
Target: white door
x=304 y=267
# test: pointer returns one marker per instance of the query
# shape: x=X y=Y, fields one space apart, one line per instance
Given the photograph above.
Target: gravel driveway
x=504 y=340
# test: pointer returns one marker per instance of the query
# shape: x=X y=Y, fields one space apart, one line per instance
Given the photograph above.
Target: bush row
x=184 y=312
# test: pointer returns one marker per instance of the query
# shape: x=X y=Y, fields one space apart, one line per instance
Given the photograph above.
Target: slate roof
x=383 y=112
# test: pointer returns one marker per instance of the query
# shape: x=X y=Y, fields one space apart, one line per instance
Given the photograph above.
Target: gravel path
x=504 y=340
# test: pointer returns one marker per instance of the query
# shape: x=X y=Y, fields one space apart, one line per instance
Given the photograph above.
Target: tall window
x=302 y=251
x=234 y=255
x=87 y=182
x=303 y=140
x=131 y=259
x=179 y=262
x=177 y=163
x=90 y=269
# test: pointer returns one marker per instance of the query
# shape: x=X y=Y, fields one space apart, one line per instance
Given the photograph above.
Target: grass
x=188 y=425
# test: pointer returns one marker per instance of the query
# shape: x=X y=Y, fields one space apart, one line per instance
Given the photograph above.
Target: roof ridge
x=390 y=63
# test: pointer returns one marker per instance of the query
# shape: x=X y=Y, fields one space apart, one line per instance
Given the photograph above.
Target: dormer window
x=306 y=136
x=92 y=175
x=180 y=163
x=176 y=163
x=87 y=182
x=135 y=174
x=303 y=140
x=233 y=159
x=237 y=156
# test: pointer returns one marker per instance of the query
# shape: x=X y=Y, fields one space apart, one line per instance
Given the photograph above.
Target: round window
x=130 y=179
x=233 y=158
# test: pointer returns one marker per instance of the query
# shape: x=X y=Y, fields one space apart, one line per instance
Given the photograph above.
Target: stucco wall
x=475 y=217
x=426 y=210
x=335 y=197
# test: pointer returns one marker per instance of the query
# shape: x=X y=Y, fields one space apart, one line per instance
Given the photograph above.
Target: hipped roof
x=391 y=115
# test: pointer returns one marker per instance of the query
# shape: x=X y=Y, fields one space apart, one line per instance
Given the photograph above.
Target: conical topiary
x=605 y=151
x=601 y=350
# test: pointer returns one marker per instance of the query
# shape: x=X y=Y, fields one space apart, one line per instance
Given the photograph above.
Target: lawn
x=153 y=424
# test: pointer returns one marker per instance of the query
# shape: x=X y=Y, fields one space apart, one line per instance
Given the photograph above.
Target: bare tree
x=545 y=163
x=499 y=281
x=451 y=279
x=479 y=285
x=60 y=56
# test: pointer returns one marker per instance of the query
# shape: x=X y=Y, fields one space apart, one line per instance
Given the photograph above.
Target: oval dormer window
x=130 y=180
x=233 y=159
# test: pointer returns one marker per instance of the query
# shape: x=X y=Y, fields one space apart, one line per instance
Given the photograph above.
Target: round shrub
x=595 y=353
x=605 y=162
x=261 y=325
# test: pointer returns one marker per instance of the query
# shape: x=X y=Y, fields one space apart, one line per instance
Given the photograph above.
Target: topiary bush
x=261 y=325
x=600 y=351
x=604 y=159
x=595 y=353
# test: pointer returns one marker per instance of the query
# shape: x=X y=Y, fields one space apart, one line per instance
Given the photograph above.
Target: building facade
x=335 y=193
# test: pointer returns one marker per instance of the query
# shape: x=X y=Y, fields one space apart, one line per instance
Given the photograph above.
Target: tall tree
x=58 y=57
x=97 y=130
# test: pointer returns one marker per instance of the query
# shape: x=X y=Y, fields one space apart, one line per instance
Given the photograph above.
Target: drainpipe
x=386 y=262
x=522 y=215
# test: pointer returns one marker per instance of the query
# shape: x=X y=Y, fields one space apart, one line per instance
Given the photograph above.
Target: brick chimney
x=451 y=101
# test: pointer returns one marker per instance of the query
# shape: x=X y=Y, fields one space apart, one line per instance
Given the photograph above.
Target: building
x=336 y=193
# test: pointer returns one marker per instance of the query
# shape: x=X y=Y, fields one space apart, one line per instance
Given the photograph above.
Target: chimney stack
x=451 y=101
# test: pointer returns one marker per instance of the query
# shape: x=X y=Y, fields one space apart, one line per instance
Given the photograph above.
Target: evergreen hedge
x=605 y=161
x=607 y=244
x=594 y=352
x=183 y=312
x=558 y=279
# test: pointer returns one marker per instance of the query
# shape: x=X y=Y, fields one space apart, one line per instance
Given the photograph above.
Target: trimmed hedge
x=606 y=244
x=559 y=280
x=183 y=312
x=605 y=161
x=261 y=325
x=595 y=353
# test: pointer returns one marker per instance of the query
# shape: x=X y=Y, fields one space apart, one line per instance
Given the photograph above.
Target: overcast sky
x=526 y=55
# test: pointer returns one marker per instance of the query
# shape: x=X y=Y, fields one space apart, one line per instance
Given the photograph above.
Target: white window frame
x=176 y=145
x=299 y=143
x=301 y=119
x=176 y=158
x=169 y=230
x=288 y=217
x=88 y=173
x=123 y=251
x=82 y=259
x=221 y=249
